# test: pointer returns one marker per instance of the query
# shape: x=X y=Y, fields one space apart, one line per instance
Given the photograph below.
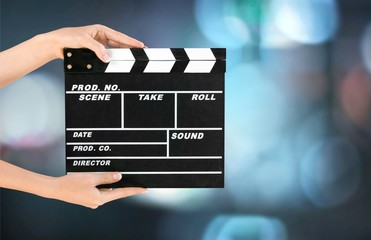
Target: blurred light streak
x=355 y=97
x=306 y=21
x=32 y=111
x=331 y=172
x=245 y=227
x=221 y=26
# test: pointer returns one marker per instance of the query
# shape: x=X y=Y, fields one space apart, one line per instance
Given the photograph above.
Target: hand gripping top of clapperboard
x=156 y=115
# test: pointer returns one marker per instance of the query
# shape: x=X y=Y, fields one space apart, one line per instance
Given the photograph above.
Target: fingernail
x=117 y=176
x=106 y=57
x=144 y=191
x=145 y=46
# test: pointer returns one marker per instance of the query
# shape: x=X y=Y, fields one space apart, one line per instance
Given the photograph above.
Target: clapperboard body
x=155 y=115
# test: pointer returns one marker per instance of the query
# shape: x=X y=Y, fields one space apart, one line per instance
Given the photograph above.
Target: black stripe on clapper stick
x=219 y=66
x=181 y=58
x=141 y=60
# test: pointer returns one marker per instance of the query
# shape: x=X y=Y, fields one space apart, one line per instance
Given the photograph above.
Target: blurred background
x=298 y=95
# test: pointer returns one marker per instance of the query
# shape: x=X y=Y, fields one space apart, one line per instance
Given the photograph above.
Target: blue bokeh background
x=298 y=112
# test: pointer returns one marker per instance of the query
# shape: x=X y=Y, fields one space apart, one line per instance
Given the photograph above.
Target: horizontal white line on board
x=116 y=143
x=143 y=129
x=163 y=157
x=168 y=172
x=136 y=92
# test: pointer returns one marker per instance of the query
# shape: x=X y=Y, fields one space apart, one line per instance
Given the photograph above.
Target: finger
x=98 y=48
x=116 y=36
x=105 y=189
x=121 y=193
x=115 y=44
x=107 y=178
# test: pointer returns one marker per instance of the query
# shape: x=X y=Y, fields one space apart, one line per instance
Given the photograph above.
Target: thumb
x=107 y=178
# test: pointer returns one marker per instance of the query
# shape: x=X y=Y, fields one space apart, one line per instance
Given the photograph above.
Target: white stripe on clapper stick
x=121 y=54
x=159 y=54
x=160 y=60
x=199 y=67
x=202 y=60
x=200 y=54
x=119 y=66
x=122 y=60
x=159 y=66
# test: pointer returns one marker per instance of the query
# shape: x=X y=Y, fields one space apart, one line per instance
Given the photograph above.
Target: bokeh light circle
x=331 y=172
x=260 y=106
x=245 y=227
x=306 y=21
x=256 y=112
x=355 y=97
x=272 y=37
x=179 y=199
x=220 y=26
x=311 y=131
x=32 y=111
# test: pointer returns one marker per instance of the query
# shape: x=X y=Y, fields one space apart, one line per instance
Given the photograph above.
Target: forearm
x=79 y=188
x=13 y=177
x=26 y=57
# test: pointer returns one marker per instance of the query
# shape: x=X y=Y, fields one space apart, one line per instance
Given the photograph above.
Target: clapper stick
x=155 y=115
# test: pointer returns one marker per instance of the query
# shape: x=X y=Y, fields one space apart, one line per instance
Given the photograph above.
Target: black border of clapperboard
x=82 y=57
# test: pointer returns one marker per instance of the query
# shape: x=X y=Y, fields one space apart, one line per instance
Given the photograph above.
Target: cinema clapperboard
x=156 y=115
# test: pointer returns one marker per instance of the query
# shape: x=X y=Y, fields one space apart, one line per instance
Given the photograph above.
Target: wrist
x=49 y=45
x=51 y=188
